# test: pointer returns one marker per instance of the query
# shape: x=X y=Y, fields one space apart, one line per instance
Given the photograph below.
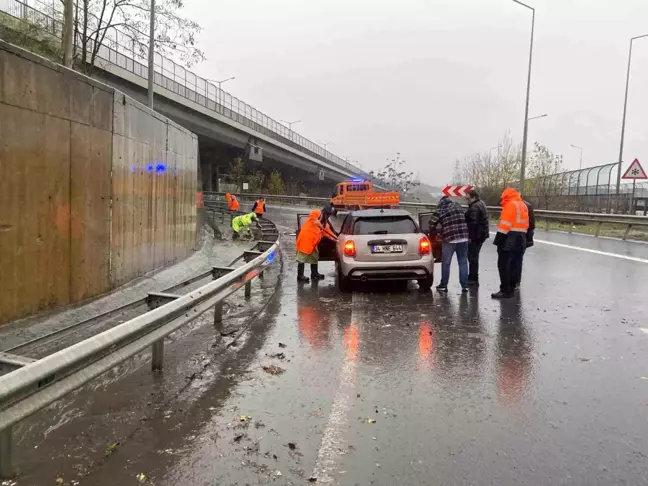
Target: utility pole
x=68 y=32
x=151 y=56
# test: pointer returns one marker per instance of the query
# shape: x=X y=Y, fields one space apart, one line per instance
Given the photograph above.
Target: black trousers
x=509 y=264
x=474 y=248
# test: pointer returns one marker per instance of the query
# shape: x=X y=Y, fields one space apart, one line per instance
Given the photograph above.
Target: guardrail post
x=158 y=355
x=248 y=289
x=218 y=316
x=598 y=228
x=6 y=466
x=547 y=224
x=627 y=232
x=571 y=227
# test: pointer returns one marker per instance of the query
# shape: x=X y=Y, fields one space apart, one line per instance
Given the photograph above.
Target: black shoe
x=464 y=289
x=302 y=278
x=441 y=288
x=317 y=276
x=473 y=283
x=502 y=295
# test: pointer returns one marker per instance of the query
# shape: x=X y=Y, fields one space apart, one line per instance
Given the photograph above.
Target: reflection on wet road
x=388 y=387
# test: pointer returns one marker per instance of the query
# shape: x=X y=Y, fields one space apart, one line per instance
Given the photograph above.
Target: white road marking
x=644 y=330
x=589 y=250
x=332 y=446
x=596 y=252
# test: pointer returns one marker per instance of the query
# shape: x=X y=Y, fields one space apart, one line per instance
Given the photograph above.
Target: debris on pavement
x=244 y=418
x=258 y=424
x=141 y=477
x=238 y=437
x=312 y=479
x=292 y=446
x=60 y=480
x=371 y=421
x=278 y=473
x=112 y=448
x=282 y=345
x=273 y=370
x=9 y=483
x=277 y=355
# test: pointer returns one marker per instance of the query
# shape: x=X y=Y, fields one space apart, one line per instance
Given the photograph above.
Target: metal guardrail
x=629 y=221
x=38 y=383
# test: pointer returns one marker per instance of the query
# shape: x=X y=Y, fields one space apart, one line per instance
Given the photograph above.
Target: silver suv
x=382 y=244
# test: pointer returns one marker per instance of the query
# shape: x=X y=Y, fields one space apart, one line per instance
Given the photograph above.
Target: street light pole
x=580 y=165
x=290 y=123
x=623 y=121
x=528 y=93
x=151 y=56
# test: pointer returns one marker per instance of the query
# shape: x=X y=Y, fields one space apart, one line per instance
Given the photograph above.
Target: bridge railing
x=179 y=80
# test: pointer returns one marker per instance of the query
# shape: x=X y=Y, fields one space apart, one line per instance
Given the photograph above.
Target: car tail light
x=349 y=248
x=425 y=246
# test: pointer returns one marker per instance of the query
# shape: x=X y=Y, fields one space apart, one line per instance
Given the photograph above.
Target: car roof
x=377 y=213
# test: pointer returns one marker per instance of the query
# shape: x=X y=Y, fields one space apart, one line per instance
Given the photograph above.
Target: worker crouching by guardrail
x=241 y=226
x=511 y=241
x=308 y=240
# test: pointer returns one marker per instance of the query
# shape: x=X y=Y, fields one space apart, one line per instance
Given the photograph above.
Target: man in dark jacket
x=478 y=232
x=529 y=239
x=451 y=220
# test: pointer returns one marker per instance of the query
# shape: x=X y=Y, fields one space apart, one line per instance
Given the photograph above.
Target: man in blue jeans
x=450 y=220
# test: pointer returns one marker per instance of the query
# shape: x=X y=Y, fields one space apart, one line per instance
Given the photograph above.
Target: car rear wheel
x=425 y=284
x=343 y=283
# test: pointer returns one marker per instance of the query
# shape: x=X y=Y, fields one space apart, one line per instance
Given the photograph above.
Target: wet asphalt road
x=390 y=386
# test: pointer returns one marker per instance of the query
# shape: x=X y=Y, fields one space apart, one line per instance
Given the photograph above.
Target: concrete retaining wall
x=95 y=188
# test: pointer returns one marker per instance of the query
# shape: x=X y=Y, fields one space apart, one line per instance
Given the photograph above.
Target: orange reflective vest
x=515 y=214
x=233 y=204
x=259 y=207
x=310 y=234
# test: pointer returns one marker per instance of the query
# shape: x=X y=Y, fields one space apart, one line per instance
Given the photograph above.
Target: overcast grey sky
x=435 y=79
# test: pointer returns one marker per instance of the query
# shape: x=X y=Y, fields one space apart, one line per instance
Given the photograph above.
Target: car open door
x=435 y=238
x=326 y=247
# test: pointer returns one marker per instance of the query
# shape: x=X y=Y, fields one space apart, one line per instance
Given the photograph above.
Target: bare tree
x=393 y=178
x=122 y=24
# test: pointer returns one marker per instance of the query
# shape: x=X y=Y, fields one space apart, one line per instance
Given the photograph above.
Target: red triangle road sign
x=635 y=171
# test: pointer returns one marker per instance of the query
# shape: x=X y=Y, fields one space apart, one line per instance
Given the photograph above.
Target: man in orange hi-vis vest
x=510 y=241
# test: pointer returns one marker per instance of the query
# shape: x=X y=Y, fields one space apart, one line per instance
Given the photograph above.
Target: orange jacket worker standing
x=259 y=207
x=307 y=241
x=234 y=204
x=510 y=241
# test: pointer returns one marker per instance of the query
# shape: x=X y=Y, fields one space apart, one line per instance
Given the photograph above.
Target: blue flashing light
x=150 y=168
x=270 y=258
x=160 y=168
x=133 y=169
x=357 y=179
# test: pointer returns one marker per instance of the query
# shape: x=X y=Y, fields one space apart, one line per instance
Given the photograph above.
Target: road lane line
x=332 y=444
x=589 y=250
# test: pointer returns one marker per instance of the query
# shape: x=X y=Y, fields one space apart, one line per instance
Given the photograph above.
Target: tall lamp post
x=290 y=123
x=528 y=92
x=151 y=56
x=220 y=90
x=623 y=122
x=580 y=164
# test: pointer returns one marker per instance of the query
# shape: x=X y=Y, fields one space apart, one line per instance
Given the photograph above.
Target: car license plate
x=387 y=249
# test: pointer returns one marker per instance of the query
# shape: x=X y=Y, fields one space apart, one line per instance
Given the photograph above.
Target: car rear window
x=385 y=225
